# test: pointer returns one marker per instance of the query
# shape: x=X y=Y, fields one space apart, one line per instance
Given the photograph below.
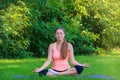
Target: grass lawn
x=105 y=67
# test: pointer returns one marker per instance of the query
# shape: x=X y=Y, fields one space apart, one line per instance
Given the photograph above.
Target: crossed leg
x=71 y=71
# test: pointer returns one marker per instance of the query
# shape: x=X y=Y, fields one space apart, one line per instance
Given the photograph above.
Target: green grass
x=22 y=69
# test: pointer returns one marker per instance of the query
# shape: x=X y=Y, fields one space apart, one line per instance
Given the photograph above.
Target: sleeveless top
x=58 y=63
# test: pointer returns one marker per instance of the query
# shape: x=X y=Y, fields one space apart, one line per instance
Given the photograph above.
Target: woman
x=60 y=51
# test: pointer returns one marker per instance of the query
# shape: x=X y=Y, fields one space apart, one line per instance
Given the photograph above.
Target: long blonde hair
x=64 y=47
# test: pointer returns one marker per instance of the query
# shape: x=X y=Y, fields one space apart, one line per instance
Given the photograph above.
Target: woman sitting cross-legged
x=60 y=52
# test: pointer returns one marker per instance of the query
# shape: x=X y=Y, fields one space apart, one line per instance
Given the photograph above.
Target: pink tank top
x=58 y=63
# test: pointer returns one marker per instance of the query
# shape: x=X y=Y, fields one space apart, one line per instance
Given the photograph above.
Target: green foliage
x=15 y=25
x=103 y=20
x=101 y=51
x=27 y=27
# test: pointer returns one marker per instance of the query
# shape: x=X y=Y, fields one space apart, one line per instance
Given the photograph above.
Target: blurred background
x=27 y=27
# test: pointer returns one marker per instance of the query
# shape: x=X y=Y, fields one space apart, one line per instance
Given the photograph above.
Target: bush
x=27 y=27
x=101 y=51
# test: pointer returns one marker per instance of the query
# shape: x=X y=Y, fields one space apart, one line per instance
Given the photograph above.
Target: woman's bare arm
x=48 y=61
x=72 y=59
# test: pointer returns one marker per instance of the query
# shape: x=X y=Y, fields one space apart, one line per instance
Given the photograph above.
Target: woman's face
x=60 y=34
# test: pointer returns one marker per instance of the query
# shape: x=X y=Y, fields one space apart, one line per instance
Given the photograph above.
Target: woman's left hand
x=85 y=65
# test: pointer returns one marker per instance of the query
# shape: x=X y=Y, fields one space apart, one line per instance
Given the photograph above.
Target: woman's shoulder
x=69 y=46
x=51 y=45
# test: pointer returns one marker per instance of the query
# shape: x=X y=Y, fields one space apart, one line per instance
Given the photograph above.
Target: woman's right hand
x=37 y=70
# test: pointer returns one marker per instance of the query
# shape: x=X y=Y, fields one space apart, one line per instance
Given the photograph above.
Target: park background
x=27 y=27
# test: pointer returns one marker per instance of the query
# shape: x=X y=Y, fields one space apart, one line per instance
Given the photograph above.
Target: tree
x=27 y=26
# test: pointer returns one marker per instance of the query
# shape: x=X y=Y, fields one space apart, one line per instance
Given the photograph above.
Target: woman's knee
x=43 y=72
x=79 y=69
